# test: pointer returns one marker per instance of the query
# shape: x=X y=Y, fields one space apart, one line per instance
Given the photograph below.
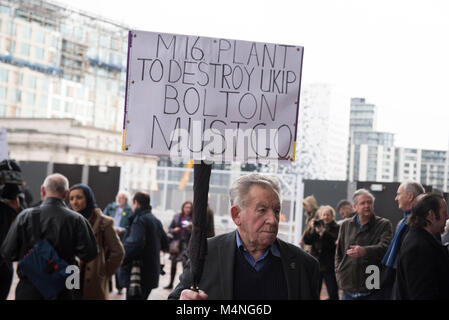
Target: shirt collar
x=406 y=213
x=367 y=225
x=273 y=248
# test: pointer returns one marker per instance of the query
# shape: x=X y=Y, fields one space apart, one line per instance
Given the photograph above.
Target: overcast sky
x=394 y=53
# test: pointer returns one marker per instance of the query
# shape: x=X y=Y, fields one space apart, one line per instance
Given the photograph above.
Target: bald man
x=67 y=231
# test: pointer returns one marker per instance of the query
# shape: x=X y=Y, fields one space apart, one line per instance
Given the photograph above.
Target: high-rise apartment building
x=322 y=133
x=59 y=63
x=370 y=153
x=66 y=69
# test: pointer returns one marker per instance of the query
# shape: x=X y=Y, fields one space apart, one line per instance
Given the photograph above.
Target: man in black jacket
x=143 y=242
x=67 y=231
x=423 y=263
x=251 y=263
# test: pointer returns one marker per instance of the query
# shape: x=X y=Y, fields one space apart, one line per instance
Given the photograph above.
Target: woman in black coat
x=180 y=229
x=322 y=235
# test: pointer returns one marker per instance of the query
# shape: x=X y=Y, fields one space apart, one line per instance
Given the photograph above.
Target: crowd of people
x=250 y=263
x=413 y=261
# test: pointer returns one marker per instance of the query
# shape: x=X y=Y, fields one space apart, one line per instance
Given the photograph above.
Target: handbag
x=135 y=288
x=42 y=264
x=175 y=247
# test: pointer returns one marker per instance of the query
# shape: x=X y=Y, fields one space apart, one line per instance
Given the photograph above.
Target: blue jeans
x=347 y=296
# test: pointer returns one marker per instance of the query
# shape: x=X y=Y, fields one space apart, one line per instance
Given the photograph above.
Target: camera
x=318 y=223
x=10 y=173
x=10 y=179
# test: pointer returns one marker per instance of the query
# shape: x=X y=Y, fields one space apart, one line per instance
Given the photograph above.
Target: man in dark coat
x=423 y=263
x=405 y=195
x=67 y=231
x=251 y=263
x=143 y=242
x=9 y=209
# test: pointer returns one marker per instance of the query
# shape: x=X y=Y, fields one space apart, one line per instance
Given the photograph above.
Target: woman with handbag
x=180 y=229
x=95 y=275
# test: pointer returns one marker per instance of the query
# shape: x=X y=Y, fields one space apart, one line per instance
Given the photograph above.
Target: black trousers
x=6 y=275
x=331 y=283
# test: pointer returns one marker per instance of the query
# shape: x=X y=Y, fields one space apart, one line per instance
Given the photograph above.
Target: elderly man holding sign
x=210 y=99
x=251 y=262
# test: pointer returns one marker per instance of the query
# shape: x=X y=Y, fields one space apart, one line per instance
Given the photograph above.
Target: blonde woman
x=321 y=235
x=310 y=209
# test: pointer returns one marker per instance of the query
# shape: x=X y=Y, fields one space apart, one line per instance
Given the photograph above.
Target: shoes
x=169 y=287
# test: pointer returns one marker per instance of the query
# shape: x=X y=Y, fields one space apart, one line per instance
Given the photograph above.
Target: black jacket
x=323 y=247
x=7 y=216
x=67 y=231
x=423 y=268
x=301 y=271
x=143 y=241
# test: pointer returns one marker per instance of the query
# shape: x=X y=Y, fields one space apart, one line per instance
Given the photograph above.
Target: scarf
x=91 y=203
x=392 y=251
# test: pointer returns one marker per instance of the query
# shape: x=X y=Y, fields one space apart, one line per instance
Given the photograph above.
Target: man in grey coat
x=251 y=263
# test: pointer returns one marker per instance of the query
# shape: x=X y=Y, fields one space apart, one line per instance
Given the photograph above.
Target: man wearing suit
x=251 y=262
x=423 y=263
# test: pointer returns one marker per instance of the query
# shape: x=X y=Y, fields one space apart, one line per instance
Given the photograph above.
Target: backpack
x=42 y=264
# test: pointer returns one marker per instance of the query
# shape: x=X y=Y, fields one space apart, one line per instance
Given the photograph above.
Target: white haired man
x=405 y=195
x=251 y=262
x=362 y=242
x=121 y=212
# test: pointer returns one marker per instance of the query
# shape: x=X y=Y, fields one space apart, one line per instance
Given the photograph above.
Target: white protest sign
x=210 y=98
x=3 y=145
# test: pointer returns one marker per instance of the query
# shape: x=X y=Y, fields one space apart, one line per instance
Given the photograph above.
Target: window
x=3 y=93
x=44 y=84
x=24 y=49
x=104 y=41
x=3 y=75
x=17 y=96
x=2 y=110
x=39 y=53
x=5 y=9
x=25 y=33
x=31 y=83
x=56 y=104
x=69 y=91
x=56 y=87
x=68 y=107
x=39 y=36
x=43 y=101
x=30 y=98
x=11 y=28
x=55 y=41
x=10 y=45
x=18 y=78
